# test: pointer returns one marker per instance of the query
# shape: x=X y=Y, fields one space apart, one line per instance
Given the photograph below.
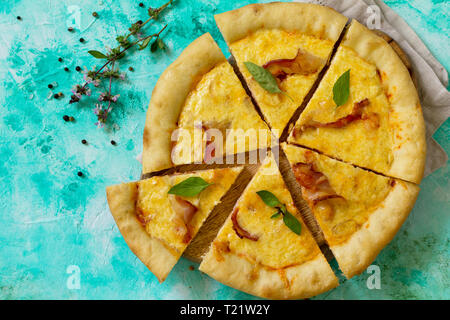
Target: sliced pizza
x=199 y=112
x=159 y=216
x=358 y=211
x=264 y=248
x=280 y=49
x=366 y=110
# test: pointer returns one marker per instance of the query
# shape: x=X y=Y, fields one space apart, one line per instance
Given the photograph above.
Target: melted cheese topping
x=265 y=45
x=277 y=246
x=155 y=204
x=363 y=192
x=220 y=102
x=358 y=142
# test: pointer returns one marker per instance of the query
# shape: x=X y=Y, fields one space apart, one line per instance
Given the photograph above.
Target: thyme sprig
x=108 y=71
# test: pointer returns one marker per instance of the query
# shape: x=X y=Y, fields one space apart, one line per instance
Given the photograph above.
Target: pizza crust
x=311 y=19
x=409 y=146
x=358 y=252
x=152 y=252
x=305 y=280
x=168 y=98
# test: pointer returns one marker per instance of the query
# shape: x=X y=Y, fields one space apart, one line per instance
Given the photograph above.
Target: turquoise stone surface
x=55 y=226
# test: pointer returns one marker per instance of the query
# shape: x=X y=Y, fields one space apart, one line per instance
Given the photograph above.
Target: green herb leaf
x=341 y=89
x=272 y=201
x=265 y=79
x=97 y=54
x=189 y=187
x=269 y=198
x=275 y=215
x=160 y=43
x=291 y=222
x=154 y=46
x=144 y=44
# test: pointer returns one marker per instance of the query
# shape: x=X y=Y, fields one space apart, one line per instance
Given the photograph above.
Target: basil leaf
x=291 y=222
x=144 y=44
x=268 y=198
x=189 y=187
x=341 y=89
x=97 y=54
x=265 y=79
x=275 y=215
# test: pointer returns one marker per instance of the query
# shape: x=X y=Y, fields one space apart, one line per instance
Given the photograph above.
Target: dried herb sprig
x=108 y=70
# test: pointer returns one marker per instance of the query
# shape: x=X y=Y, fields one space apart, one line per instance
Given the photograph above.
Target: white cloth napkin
x=431 y=76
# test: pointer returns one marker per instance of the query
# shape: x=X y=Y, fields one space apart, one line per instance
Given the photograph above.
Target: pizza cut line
x=255 y=251
x=293 y=42
x=158 y=217
x=380 y=127
x=357 y=150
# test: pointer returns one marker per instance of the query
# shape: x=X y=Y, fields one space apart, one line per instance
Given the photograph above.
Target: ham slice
x=241 y=232
x=315 y=185
x=356 y=114
x=303 y=63
x=184 y=211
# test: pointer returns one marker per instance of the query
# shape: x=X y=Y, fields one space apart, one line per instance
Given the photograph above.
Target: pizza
x=255 y=251
x=293 y=41
x=159 y=216
x=199 y=95
x=358 y=211
x=380 y=127
x=343 y=107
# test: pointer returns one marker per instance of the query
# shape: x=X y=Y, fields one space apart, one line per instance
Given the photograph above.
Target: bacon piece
x=242 y=233
x=184 y=211
x=356 y=114
x=315 y=185
x=303 y=63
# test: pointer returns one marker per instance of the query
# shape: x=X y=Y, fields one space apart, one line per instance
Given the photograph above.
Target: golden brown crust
x=152 y=252
x=355 y=255
x=311 y=19
x=169 y=96
x=297 y=282
x=406 y=120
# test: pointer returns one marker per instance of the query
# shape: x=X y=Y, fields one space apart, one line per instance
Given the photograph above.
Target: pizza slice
x=200 y=112
x=264 y=248
x=358 y=211
x=366 y=110
x=280 y=49
x=159 y=216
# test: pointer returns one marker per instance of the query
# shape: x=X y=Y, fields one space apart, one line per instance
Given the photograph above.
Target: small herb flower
x=106 y=96
x=102 y=114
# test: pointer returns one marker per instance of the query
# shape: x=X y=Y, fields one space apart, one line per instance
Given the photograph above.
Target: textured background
x=51 y=219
